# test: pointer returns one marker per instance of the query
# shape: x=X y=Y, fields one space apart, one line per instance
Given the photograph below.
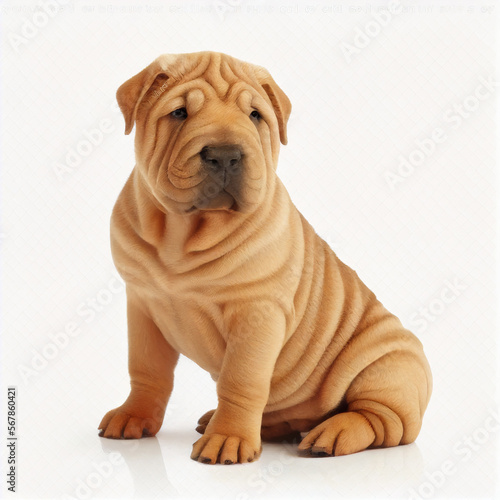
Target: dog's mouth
x=223 y=201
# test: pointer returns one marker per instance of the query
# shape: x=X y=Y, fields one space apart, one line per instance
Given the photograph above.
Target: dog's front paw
x=124 y=422
x=217 y=448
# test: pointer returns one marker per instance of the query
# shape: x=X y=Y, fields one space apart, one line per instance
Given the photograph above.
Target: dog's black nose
x=219 y=158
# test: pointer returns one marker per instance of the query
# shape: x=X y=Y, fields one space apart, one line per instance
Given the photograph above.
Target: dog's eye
x=255 y=115
x=180 y=114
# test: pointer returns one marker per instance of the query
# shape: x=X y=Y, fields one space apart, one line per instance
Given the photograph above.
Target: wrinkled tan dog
x=221 y=267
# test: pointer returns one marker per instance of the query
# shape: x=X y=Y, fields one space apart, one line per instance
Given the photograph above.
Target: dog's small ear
x=281 y=104
x=130 y=94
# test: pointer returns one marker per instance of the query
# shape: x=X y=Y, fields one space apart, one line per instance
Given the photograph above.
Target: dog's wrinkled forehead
x=212 y=70
x=218 y=70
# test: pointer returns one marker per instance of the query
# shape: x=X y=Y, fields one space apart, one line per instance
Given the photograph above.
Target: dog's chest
x=187 y=308
x=192 y=326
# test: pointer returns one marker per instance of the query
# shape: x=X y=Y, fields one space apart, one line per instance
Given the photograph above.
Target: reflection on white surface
x=282 y=473
x=279 y=472
x=146 y=466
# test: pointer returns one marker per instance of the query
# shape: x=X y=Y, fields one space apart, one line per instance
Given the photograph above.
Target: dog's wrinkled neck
x=190 y=240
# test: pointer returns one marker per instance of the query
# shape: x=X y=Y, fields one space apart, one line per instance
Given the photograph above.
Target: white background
x=352 y=122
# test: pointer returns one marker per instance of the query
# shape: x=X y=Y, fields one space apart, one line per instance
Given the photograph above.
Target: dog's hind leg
x=385 y=406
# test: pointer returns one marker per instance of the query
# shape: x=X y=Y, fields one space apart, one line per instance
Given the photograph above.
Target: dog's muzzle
x=224 y=165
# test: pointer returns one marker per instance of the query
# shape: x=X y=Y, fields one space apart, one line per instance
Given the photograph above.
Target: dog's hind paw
x=203 y=421
x=342 y=434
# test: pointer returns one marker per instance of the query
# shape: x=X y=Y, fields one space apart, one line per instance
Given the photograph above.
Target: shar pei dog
x=221 y=267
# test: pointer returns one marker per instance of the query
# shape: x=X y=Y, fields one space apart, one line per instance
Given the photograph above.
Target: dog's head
x=208 y=129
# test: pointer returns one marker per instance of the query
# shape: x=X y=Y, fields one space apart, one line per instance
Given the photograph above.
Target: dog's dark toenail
x=320 y=454
x=228 y=462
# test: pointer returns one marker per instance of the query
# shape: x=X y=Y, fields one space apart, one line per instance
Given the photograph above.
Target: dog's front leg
x=254 y=341
x=151 y=366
